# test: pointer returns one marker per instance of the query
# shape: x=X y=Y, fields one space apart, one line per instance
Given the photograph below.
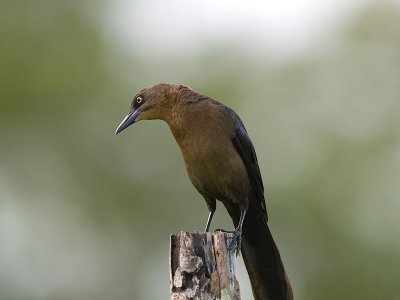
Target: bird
x=221 y=163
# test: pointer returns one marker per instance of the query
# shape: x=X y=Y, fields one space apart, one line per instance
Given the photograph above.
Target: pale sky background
x=283 y=28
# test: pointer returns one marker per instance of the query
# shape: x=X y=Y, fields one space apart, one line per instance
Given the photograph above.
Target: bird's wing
x=245 y=148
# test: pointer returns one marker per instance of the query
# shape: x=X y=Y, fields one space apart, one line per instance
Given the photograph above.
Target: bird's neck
x=178 y=121
x=179 y=113
x=186 y=112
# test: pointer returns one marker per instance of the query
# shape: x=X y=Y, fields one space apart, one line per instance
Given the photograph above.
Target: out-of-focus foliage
x=86 y=215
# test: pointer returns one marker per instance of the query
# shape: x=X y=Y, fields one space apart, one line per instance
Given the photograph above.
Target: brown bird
x=222 y=164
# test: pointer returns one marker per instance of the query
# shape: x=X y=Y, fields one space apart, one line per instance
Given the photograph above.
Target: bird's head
x=149 y=104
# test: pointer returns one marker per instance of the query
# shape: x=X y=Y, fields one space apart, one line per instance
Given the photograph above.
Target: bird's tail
x=263 y=261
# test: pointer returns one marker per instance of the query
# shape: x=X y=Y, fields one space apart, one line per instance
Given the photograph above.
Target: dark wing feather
x=245 y=148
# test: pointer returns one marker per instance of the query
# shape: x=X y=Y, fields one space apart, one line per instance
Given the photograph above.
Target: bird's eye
x=139 y=100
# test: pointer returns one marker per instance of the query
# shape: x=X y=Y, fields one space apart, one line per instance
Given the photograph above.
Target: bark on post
x=201 y=267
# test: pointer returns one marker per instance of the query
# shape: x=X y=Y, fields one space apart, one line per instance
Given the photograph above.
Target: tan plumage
x=221 y=163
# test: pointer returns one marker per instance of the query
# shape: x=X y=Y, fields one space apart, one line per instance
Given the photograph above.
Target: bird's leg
x=210 y=215
x=237 y=234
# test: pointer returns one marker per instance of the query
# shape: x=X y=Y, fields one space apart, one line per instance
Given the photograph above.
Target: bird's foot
x=236 y=242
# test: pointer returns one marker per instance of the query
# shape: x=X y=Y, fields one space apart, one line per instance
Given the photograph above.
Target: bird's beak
x=131 y=118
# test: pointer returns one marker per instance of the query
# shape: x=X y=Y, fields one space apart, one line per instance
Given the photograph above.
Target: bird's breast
x=204 y=133
x=214 y=168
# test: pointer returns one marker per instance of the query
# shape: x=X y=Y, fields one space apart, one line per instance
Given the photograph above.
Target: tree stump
x=201 y=267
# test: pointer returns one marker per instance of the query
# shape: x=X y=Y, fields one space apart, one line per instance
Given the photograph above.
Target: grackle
x=222 y=164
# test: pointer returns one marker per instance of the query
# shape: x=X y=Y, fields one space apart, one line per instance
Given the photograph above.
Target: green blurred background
x=85 y=214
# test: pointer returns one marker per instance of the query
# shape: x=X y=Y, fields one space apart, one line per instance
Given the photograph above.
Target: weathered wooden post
x=202 y=268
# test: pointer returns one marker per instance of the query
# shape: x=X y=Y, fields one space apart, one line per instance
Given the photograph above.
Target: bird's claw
x=236 y=242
